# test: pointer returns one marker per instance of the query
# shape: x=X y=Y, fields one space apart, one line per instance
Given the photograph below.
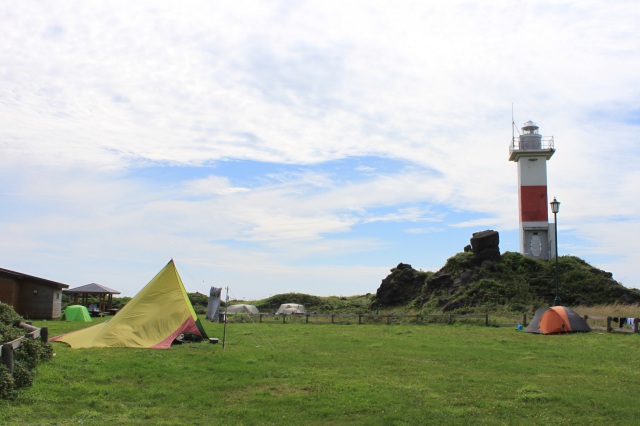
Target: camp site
x=274 y=212
x=158 y=361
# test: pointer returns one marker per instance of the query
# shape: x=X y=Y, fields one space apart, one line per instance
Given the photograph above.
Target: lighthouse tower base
x=538 y=242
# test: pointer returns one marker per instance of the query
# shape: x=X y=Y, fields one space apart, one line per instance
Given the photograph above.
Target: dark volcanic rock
x=401 y=286
x=486 y=245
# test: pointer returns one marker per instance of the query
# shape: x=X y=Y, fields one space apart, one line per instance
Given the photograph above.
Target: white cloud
x=93 y=91
x=212 y=185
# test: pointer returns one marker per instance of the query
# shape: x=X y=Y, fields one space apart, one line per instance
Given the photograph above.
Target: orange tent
x=556 y=320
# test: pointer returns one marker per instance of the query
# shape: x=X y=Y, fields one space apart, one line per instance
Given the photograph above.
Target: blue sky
x=307 y=146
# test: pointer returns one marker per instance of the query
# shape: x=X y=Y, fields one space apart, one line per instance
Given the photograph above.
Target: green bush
x=34 y=352
x=26 y=357
x=8 y=315
x=8 y=333
x=7 y=384
x=23 y=373
x=8 y=318
x=199 y=302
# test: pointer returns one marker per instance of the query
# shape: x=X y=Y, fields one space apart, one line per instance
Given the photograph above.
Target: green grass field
x=311 y=374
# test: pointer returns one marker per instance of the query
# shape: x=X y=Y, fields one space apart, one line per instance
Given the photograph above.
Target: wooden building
x=31 y=297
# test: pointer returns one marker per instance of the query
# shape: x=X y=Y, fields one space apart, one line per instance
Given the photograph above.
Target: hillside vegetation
x=515 y=282
x=466 y=285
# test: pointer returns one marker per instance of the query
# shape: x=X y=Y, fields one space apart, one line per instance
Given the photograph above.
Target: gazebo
x=105 y=295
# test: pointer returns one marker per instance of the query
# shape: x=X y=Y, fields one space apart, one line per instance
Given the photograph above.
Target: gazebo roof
x=92 y=288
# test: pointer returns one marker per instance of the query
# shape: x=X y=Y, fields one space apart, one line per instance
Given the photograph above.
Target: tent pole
x=224 y=331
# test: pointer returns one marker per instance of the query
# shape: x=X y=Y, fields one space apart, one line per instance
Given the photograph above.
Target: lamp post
x=555 y=208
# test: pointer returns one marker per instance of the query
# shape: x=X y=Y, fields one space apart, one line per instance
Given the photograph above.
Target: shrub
x=33 y=352
x=8 y=333
x=8 y=315
x=7 y=384
x=23 y=373
x=26 y=357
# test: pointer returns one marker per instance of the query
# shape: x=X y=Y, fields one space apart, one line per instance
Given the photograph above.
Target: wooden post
x=359 y=319
x=332 y=315
x=260 y=318
x=7 y=356
x=44 y=334
x=524 y=320
x=608 y=324
x=284 y=317
x=307 y=318
x=486 y=319
x=388 y=319
x=635 y=325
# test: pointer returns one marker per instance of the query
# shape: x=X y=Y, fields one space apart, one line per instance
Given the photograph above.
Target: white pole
x=224 y=332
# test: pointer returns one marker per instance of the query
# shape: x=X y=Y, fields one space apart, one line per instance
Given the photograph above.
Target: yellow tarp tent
x=159 y=313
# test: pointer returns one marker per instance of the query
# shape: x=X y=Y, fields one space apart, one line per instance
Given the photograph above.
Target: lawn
x=313 y=374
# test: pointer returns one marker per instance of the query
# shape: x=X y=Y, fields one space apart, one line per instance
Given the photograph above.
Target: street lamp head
x=555 y=205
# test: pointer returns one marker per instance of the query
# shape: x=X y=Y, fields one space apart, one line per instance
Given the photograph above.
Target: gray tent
x=291 y=309
x=242 y=309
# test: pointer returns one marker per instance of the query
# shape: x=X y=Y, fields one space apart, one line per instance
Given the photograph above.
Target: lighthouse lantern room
x=531 y=151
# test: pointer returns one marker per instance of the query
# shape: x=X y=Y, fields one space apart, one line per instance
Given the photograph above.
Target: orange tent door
x=552 y=322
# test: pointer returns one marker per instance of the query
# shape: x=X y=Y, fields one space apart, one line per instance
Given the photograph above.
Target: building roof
x=92 y=288
x=20 y=276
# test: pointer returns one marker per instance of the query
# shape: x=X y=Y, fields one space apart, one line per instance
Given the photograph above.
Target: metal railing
x=546 y=144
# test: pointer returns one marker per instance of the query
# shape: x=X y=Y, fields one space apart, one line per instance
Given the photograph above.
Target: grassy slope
x=347 y=374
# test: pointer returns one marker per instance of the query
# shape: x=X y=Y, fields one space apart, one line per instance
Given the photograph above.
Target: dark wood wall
x=31 y=299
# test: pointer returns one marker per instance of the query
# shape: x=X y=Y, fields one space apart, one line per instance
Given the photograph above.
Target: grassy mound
x=519 y=283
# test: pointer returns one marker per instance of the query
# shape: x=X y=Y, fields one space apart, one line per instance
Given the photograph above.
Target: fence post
x=7 y=356
x=44 y=334
x=635 y=324
x=486 y=319
x=359 y=319
x=307 y=319
x=332 y=316
x=260 y=318
x=524 y=320
x=608 y=324
x=284 y=317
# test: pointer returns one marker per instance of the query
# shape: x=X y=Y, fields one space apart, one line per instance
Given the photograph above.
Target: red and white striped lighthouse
x=531 y=151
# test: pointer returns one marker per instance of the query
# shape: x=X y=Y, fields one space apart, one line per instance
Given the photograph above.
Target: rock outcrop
x=486 y=245
x=401 y=286
x=481 y=277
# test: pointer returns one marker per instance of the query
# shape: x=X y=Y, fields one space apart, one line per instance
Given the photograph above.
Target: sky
x=307 y=146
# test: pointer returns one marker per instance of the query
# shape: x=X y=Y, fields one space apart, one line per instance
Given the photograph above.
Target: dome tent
x=76 y=313
x=557 y=320
x=291 y=309
x=242 y=309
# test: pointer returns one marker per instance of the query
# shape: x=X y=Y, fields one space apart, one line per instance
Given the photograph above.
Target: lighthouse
x=531 y=151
